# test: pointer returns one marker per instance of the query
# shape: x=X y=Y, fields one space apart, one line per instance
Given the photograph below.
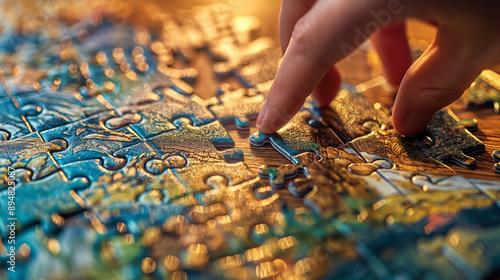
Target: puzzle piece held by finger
x=300 y=134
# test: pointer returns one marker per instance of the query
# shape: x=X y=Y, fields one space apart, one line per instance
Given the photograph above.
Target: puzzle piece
x=245 y=210
x=394 y=146
x=123 y=121
x=351 y=116
x=222 y=234
x=370 y=129
x=107 y=253
x=331 y=181
x=403 y=152
x=496 y=156
x=57 y=108
x=298 y=136
x=13 y=121
x=37 y=201
x=128 y=89
x=91 y=139
x=127 y=188
x=194 y=175
x=237 y=106
x=278 y=176
x=158 y=117
x=29 y=153
x=132 y=69
x=484 y=91
x=198 y=145
x=194 y=141
x=449 y=140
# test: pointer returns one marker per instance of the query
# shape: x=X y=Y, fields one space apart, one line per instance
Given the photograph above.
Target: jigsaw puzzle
x=113 y=167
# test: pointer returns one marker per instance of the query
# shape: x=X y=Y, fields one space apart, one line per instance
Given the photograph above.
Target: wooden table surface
x=359 y=67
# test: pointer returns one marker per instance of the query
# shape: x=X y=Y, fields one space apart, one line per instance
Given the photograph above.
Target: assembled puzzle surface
x=112 y=167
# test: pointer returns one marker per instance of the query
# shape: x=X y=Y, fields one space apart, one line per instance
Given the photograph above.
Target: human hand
x=315 y=34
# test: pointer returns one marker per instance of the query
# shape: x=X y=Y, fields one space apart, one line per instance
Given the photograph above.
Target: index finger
x=329 y=31
x=291 y=12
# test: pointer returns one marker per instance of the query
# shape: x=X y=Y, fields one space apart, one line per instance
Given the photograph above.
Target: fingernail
x=261 y=116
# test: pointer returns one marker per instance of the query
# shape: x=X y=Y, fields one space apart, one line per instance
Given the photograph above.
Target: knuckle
x=305 y=46
x=301 y=34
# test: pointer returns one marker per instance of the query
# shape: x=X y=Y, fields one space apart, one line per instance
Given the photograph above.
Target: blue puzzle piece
x=36 y=201
x=136 y=179
x=78 y=249
x=58 y=108
x=12 y=122
x=90 y=139
x=158 y=117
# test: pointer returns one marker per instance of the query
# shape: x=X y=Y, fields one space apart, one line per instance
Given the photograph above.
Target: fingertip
x=271 y=123
x=412 y=123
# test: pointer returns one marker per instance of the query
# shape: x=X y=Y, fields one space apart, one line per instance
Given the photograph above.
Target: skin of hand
x=315 y=34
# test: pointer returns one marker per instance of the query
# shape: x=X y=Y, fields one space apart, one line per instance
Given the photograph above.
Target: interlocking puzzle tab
x=158 y=117
x=91 y=139
x=237 y=106
x=29 y=154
